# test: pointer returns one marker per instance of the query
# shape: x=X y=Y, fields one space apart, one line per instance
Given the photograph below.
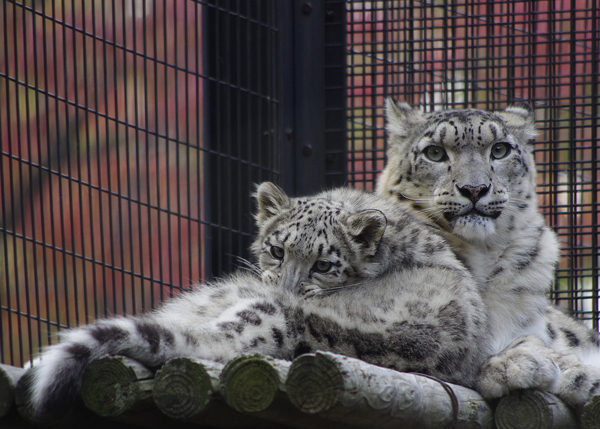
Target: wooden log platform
x=320 y=390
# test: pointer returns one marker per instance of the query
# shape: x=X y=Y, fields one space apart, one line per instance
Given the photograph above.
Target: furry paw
x=525 y=364
x=310 y=291
x=578 y=382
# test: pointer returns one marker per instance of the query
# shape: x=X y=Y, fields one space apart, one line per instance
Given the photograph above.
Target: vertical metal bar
x=58 y=142
x=18 y=211
x=188 y=143
x=109 y=166
x=35 y=213
x=105 y=270
x=575 y=253
x=27 y=265
x=127 y=239
x=9 y=222
x=79 y=171
x=147 y=156
x=595 y=164
x=176 y=144
x=138 y=194
x=168 y=149
x=98 y=165
x=159 y=173
x=207 y=132
x=70 y=139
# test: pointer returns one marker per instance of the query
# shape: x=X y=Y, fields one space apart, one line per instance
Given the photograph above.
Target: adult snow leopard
x=383 y=287
x=471 y=174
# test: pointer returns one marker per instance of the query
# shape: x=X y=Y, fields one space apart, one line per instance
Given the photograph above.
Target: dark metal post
x=303 y=96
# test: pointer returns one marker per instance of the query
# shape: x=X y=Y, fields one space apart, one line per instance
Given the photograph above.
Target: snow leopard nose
x=474 y=193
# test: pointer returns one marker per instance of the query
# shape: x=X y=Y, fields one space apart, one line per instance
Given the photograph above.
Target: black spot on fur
x=190 y=340
x=579 y=380
x=107 y=334
x=80 y=352
x=265 y=308
x=256 y=341
x=452 y=320
x=237 y=327
x=551 y=332
x=153 y=334
x=323 y=329
x=277 y=337
x=302 y=348
x=250 y=317
x=571 y=337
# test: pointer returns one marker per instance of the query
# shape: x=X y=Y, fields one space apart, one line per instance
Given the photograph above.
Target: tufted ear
x=367 y=228
x=271 y=201
x=401 y=117
x=520 y=120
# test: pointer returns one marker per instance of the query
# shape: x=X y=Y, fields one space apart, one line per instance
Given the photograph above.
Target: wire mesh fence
x=110 y=137
x=133 y=132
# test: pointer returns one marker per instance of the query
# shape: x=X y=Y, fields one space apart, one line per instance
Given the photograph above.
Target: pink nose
x=474 y=193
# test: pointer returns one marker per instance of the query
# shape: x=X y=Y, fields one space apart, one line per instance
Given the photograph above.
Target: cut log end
x=9 y=376
x=110 y=385
x=533 y=409
x=314 y=384
x=590 y=419
x=56 y=418
x=182 y=388
x=249 y=383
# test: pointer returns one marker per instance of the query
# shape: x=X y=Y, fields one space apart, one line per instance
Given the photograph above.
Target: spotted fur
x=391 y=293
x=471 y=174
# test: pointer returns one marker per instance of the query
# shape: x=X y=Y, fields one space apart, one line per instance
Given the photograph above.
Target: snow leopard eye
x=500 y=150
x=277 y=252
x=322 y=266
x=435 y=153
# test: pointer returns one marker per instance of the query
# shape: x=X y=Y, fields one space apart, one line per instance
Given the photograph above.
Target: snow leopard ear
x=520 y=121
x=271 y=199
x=367 y=228
x=401 y=117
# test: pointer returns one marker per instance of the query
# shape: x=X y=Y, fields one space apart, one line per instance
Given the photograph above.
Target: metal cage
x=133 y=132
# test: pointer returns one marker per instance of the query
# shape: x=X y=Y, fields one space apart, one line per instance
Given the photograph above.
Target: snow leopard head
x=470 y=171
x=314 y=244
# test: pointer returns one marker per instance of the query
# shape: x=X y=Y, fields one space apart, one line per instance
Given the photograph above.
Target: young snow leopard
x=471 y=174
x=393 y=295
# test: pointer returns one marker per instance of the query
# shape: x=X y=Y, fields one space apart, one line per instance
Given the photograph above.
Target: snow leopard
x=343 y=271
x=471 y=175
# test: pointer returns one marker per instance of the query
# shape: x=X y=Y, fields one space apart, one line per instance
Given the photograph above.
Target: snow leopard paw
x=578 y=383
x=525 y=364
x=310 y=291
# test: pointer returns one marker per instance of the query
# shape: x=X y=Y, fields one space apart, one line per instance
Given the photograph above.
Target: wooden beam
x=349 y=390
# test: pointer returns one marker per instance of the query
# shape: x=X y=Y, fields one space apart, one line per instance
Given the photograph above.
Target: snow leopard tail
x=56 y=380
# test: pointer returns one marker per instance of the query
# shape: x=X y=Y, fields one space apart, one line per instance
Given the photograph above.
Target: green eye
x=277 y=252
x=435 y=153
x=500 y=150
x=322 y=266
